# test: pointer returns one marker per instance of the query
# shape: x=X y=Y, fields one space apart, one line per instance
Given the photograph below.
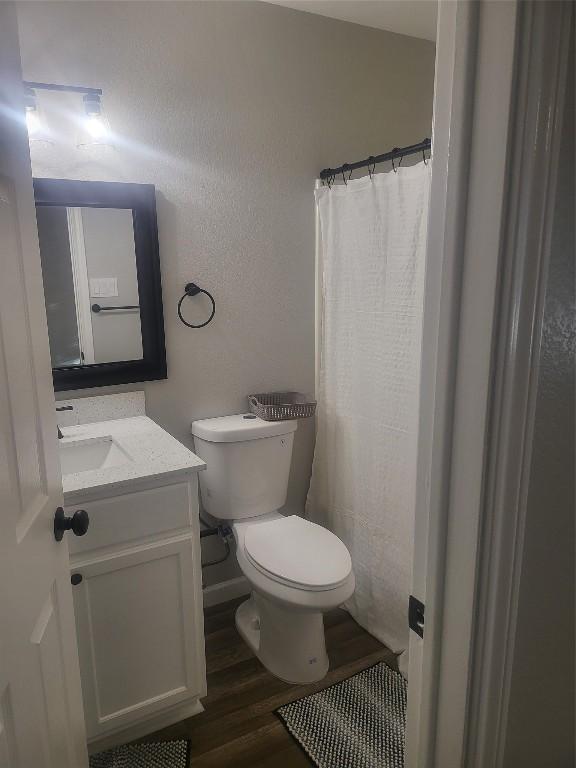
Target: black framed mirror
x=102 y=284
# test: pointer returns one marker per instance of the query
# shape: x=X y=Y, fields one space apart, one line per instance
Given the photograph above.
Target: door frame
x=81 y=283
x=500 y=81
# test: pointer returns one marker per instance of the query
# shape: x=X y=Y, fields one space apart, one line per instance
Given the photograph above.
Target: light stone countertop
x=154 y=454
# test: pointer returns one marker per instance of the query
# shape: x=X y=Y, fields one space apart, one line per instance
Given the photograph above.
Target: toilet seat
x=298 y=553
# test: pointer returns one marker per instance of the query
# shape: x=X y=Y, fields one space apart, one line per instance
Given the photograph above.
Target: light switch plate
x=103 y=287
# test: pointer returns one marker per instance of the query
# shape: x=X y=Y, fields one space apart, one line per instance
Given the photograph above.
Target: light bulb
x=96 y=126
x=33 y=122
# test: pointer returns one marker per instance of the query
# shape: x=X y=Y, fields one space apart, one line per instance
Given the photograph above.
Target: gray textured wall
x=230 y=109
x=541 y=718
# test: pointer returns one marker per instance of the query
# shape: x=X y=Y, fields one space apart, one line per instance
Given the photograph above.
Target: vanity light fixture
x=95 y=126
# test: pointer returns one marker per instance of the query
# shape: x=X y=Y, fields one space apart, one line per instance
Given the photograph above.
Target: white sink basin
x=93 y=453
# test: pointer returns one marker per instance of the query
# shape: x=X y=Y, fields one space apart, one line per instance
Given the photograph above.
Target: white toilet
x=297 y=569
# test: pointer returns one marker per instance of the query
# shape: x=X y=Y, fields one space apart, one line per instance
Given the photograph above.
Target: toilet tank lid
x=242 y=426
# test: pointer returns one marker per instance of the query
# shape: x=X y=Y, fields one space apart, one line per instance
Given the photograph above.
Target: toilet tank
x=247 y=464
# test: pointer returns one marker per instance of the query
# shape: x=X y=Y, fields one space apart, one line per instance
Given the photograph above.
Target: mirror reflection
x=90 y=284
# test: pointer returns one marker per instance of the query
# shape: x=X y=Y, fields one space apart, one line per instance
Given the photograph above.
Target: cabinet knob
x=76 y=579
x=78 y=523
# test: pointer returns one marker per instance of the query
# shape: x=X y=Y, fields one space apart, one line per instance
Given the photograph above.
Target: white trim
x=319 y=302
x=81 y=283
x=484 y=189
x=452 y=124
x=475 y=74
x=144 y=727
x=224 y=591
x=453 y=79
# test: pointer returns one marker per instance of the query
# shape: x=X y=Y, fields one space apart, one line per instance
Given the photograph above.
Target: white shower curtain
x=371 y=269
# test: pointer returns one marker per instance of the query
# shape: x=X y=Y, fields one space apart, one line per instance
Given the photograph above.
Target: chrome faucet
x=63 y=408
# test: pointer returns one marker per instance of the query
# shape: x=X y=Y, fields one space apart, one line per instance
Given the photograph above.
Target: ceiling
x=416 y=18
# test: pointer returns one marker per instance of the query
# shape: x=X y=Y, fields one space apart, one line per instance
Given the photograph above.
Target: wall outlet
x=103 y=287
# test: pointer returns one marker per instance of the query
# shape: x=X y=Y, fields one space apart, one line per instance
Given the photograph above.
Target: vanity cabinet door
x=138 y=623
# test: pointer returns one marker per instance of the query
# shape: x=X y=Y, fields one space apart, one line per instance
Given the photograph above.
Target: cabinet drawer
x=132 y=516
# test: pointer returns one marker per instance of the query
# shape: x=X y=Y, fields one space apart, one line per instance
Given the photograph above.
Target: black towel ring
x=191 y=289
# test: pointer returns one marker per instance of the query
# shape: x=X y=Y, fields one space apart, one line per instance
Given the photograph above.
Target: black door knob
x=78 y=523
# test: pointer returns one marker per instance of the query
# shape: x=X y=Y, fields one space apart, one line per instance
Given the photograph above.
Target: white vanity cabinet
x=137 y=590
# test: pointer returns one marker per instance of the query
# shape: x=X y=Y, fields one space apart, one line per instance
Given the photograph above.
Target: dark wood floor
x=239 y=727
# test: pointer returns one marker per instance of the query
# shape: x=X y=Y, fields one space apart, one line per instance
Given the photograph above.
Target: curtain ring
x=401 y=158
x=329 y=180
x=344 y=169
x=424 y=157
x=393 y=166
x=371 y=170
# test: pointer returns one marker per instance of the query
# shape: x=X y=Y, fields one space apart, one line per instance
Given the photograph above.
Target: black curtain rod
x=394 y=154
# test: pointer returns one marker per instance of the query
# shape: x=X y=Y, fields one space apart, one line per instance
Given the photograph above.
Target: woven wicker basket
x=281 y=406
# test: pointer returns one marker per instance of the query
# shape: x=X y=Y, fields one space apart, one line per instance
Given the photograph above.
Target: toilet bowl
x=297 y=569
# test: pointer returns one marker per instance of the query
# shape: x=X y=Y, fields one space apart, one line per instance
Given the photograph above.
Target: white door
x=41 y=716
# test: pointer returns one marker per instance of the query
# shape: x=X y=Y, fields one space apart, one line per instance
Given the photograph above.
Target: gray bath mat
x=164 y=754
x=358 y=723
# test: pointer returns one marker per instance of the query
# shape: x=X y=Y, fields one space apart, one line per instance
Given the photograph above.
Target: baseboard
x=225 y=590
x=149 y=725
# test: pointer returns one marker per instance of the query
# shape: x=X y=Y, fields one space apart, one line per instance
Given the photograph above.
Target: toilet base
x=289 y=643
